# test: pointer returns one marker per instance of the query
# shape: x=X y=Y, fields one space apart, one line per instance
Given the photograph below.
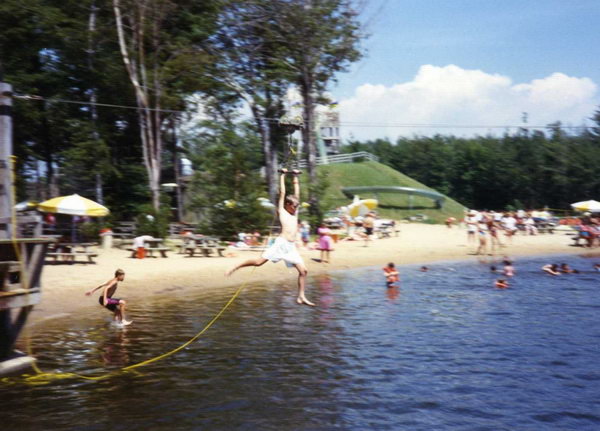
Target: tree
x=155 y=39
x=320 y=38
x=245 y=52
x=227 y=185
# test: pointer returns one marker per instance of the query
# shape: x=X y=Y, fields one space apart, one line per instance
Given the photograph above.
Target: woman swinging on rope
x=284 y=247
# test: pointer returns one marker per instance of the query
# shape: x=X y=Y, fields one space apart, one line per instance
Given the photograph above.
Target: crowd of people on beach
x=588 y=228
x=484 y=227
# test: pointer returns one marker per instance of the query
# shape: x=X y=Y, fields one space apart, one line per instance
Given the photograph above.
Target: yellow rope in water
x=43 y=377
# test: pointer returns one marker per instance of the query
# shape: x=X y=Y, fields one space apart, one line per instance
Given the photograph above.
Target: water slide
x=438 y=198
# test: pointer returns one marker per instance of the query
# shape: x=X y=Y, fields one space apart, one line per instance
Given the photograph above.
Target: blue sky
x=472 y=62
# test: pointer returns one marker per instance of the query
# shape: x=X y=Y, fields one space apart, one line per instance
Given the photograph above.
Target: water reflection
x=323 y=283
x=392 y=293
x=115 y=349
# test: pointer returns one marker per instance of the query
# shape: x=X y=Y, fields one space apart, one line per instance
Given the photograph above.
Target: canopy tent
x=73 y=205
x=591 y=206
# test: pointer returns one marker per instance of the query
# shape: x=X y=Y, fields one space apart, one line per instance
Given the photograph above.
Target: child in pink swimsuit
x=325 y=242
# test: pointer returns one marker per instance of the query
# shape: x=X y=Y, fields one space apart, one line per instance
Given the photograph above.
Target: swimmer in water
x=551 y=269
x=501 y=283
x=391 y=275
x=508 y=269
x=116 y=305
x=566 y=269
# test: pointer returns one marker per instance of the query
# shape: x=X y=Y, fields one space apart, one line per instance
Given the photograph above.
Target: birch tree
x=155 y=40
x=139 y=32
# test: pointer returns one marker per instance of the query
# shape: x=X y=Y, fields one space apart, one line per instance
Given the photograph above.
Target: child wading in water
x=284 y=247
x=391 y=275
x=116 y=305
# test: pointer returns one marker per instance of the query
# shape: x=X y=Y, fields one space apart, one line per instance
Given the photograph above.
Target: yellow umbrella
x=591 y=205
x=73 y=205
x=361 y=207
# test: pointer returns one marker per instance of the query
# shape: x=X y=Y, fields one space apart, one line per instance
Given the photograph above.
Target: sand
x=64 y=286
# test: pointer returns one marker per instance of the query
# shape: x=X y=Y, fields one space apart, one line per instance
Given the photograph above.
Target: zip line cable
x=341 y=123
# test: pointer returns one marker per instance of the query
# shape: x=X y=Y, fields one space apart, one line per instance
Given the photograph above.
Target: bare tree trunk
x=91 y=52
x=149 y=117
x=310 y=145
x=270 y=156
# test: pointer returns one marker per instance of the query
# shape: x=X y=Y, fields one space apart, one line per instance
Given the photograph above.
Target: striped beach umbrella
x=73 y=205
x=591 y=206
x=361 y=207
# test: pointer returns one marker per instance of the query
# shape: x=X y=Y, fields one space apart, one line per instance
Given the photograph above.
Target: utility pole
x=6 y=199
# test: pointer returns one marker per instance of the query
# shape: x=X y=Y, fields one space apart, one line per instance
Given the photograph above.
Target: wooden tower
x=21 y=253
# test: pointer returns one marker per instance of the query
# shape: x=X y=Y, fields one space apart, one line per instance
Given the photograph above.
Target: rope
x=41 y=377
x=46 y=377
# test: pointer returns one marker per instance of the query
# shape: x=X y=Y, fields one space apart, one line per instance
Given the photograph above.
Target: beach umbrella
x=264 y=202
x=591 y=206
x=74 y=205
x=25 y=205
x=360 y=207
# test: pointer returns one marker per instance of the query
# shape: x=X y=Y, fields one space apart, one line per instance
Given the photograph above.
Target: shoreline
x=64 y=286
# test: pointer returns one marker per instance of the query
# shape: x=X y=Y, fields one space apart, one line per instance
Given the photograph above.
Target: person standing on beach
x=284 y=247
x=482 y=232
x=369 y=225
x=116 y=305
x=325 y=243
x=510 y=226
x=304 y=228
x=472 y=224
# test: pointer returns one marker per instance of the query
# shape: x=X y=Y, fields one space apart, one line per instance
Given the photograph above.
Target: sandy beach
x=64 y=286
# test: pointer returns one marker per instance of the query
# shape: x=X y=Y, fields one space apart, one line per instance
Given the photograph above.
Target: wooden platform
x=21 y=263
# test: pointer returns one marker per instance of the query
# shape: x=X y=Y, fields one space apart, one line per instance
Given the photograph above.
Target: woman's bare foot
x=303 y=300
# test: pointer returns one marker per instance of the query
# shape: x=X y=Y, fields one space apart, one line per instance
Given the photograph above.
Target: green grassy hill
x=391 y=205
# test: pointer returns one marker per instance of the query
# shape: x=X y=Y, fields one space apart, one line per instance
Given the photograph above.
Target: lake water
x=445 y=351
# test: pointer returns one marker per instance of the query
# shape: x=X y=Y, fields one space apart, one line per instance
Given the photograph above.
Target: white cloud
x=458 y=97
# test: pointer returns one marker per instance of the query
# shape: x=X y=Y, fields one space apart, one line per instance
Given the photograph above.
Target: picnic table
x=70 y=251
x=205 y=245
x=151 y=246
